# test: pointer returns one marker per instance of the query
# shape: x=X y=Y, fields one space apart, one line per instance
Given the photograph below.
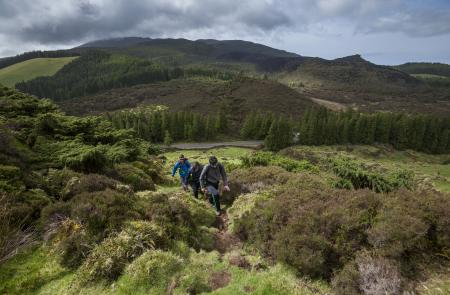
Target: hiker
x=209 y=180
x=183 y=166
x=194 y=178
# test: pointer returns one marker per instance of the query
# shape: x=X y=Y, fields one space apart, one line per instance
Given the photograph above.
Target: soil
x=219 y=279
x=225 y=241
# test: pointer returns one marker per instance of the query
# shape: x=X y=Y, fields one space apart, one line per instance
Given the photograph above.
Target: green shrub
x=72 y=243
x=107 y=260
x=137 y=178
x=271 y=159
x=99 y=212
x=87 y=183
x=363 y=177
x=102 y=212
x=411 y=223
x=55 y=180
x=124 y=150
x=11 y=179
x=151 y=273
x=85 y=158
x=180 y=215
x=195 y=278
x=318 y=230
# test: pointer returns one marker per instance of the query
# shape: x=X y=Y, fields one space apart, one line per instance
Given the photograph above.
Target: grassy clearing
x=434 y=169
x=32 y=68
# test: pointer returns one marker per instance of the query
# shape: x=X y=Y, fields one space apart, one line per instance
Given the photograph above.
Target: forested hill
x=349 y=82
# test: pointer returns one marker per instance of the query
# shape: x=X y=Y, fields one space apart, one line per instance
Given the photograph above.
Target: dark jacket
x=195 y=174
x=213 y=175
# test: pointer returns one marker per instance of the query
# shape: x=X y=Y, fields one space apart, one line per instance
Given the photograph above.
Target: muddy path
x=224 y=240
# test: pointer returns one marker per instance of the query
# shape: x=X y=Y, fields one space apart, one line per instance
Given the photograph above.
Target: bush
x=100 y=213
x=84 y=158
x=368 y=274
x=411 y=223
x=318 y=230
x=55 y=181
x=180 y=215
x=25 y=207
x=107 y=260
x=195 y=278
x=72 y=243
x=87 y=183
x=137 y=178
x=13 y=236
x=270 y=159
x=151 y=272
x=346 y=281
x=362 y=177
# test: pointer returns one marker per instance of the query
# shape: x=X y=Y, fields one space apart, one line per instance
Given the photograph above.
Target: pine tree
x=167 y=138
x=247 y=130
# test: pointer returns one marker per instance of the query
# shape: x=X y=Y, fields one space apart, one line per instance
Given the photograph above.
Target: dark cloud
x=31 y=24
x=75 y=20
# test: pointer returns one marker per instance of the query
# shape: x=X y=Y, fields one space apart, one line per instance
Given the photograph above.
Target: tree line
x=97 y=70
x=158 y=125
x=320 y=126
x=8 y=61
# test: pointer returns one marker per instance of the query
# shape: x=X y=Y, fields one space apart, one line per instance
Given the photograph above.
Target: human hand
x=226 y=188
x=204 y=190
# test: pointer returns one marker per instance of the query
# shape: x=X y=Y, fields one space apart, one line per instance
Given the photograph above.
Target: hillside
x=235 y=97
x=437 y=69
x=32 y=68
x=349 y=82
x=356 y=83
x=86 y=208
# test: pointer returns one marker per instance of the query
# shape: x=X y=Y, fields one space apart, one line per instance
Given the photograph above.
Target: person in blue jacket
x=182 y=166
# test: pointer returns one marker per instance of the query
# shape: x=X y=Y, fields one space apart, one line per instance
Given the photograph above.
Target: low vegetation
x=86 y=207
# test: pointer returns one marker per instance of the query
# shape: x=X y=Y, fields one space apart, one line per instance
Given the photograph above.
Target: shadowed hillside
x=237 y=97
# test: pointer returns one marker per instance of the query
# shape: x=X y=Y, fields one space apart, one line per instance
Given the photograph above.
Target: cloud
x=42 y=24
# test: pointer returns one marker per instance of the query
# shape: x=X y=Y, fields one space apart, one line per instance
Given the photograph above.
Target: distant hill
x=29 y=69
x=438 y=69
x=350 y=73
x=341 y=83
x=433 y=74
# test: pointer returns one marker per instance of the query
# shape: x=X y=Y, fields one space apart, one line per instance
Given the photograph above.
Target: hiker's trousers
x=214 y=196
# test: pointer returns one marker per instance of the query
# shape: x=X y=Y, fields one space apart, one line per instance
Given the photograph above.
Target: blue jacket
x=183 y=168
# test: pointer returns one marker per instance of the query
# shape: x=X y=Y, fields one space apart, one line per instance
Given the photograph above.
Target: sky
x=382 y=31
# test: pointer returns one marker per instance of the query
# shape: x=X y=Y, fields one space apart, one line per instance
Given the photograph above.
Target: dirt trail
x=225 y=241
x=210 y=145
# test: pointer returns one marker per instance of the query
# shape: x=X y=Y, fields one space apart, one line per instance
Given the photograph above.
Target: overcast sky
x=382 y=31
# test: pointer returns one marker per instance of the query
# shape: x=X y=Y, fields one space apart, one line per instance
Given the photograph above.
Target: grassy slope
x=32 y=68
x=37 y=271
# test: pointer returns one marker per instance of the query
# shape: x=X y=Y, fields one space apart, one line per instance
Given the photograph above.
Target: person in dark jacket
x=194 y=178
x=212 y=174
x=182 y=166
